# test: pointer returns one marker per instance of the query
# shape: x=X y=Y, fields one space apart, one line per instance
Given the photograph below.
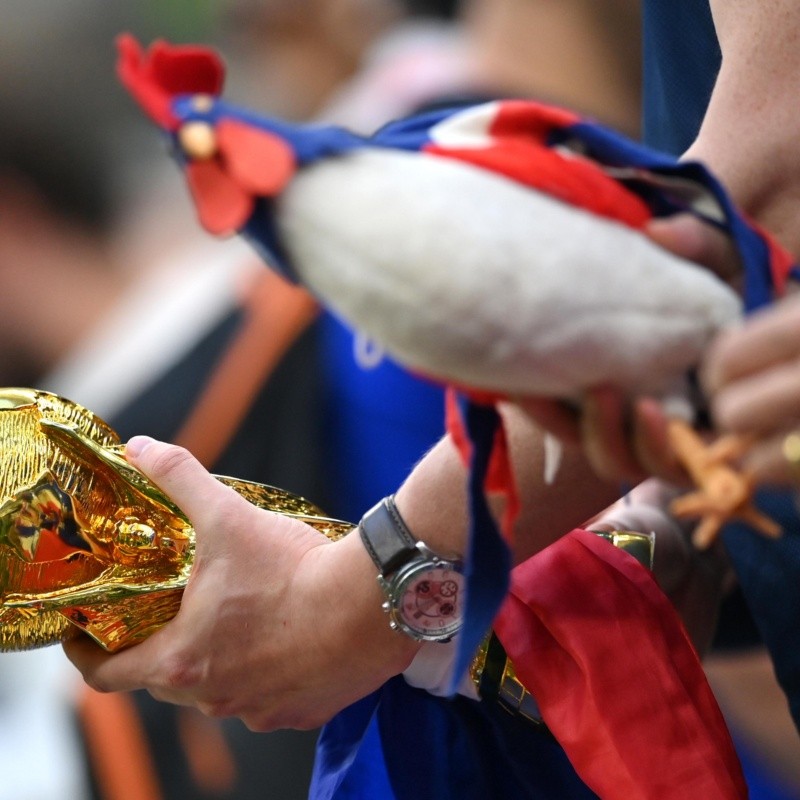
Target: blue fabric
x=309 y=142
x=768 y=570
x=681 y=62
x=368 y=776
x=438 y=749
x=378 y=423
x=488 y=561
x=466 y=750
x=349 y=763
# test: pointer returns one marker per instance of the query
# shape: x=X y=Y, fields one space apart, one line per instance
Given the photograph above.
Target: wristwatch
x=424 y=591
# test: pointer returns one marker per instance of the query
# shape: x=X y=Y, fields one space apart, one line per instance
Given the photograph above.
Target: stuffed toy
x=499 y=249
x=496 y=248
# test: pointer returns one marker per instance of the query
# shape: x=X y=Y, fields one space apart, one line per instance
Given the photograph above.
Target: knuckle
x=170 y=459
x=181 y=673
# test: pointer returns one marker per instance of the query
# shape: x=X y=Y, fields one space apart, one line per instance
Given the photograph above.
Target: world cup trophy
x=87 y=542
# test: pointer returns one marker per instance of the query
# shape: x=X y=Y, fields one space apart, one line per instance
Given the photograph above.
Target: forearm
x=750 y=132
x=433 y=500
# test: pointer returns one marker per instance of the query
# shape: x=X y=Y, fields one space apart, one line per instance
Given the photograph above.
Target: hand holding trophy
x=86 y=541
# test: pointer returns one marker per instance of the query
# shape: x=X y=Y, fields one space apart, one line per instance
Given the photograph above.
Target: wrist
x=365 y=621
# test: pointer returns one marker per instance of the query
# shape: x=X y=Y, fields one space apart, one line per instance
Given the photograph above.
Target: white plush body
x=466 y=276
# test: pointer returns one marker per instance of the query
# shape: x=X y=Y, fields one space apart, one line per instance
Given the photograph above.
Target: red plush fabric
x=249 y=163
x=156 y=76
x=223 y=206
x=259 y=161
x=615 y=676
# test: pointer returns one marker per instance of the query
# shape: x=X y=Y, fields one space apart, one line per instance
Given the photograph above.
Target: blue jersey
x=681 y=61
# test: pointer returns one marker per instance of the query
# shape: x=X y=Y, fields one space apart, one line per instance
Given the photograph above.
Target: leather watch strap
x=386 y=537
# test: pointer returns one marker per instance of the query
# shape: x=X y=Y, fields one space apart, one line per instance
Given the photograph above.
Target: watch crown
x=393 y=625
x=386 y=606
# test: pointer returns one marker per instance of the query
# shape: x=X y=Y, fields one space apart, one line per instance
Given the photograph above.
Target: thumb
x=179 y=475
x=690 y=238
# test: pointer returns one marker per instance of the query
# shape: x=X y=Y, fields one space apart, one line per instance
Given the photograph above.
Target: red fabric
x=520 y=152
x=156 y=76
x=781 y=261
x=527 y=118
x=455 y=426
x=500 y=476
x=249 y=163
x=223 y=206
x=259 y=161
x=617 y=680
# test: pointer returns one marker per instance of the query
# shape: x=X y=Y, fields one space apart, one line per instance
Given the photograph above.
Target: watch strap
x=387 y=539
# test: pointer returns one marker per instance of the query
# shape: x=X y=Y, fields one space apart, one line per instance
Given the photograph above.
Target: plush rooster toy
x=498 y=249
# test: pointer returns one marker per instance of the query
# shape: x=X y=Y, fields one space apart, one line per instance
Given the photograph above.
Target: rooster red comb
x=156 y=76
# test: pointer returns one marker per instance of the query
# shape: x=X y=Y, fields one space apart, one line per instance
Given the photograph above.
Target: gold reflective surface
x=86 y=541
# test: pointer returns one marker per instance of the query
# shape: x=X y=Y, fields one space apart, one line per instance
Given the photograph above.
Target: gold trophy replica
x=86 y=541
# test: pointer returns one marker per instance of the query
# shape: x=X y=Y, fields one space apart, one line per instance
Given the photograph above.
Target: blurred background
x=112 y=296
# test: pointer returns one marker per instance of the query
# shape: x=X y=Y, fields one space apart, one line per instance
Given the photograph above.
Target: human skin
x=282 y=628
x=749 y=139
x=750 y=375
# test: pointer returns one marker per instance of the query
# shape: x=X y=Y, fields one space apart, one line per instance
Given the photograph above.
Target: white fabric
x=432 y=667
x=471 y=278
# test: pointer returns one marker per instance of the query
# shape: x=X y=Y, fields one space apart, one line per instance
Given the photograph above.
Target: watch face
x=429 y=600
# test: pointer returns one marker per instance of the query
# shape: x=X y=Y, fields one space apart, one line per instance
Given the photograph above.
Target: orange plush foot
x=723 y=493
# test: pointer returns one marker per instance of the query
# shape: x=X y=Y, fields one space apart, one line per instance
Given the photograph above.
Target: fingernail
x=135 y=446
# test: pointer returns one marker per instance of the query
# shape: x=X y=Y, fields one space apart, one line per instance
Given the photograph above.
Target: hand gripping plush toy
x=499 y=249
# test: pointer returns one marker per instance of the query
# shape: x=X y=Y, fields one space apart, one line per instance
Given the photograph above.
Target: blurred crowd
x=112 y=296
